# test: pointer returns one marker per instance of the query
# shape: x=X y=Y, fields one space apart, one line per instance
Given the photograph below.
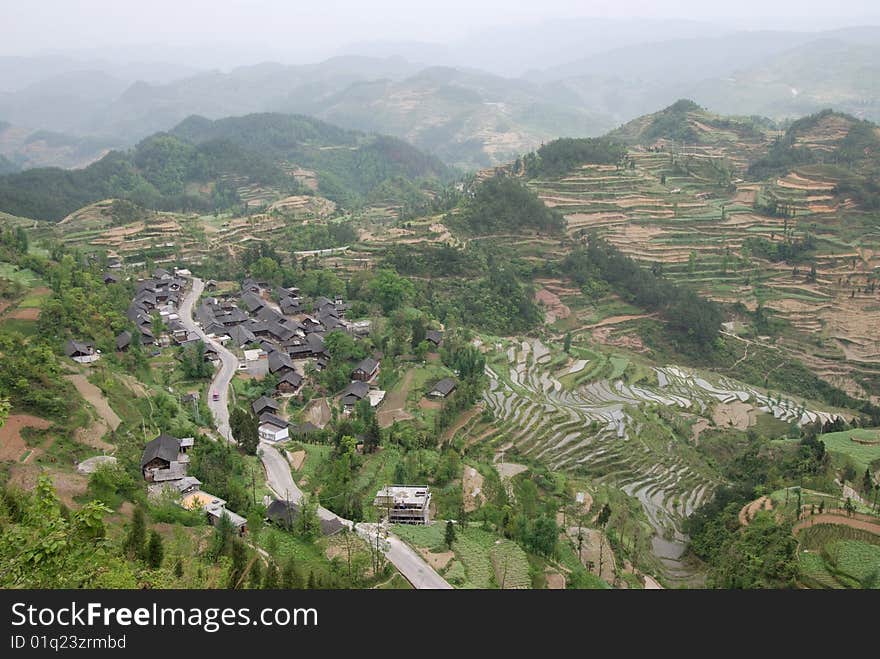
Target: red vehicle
x=216 y=395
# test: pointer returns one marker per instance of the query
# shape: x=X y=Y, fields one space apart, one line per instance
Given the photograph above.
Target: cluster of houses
x=159 y=295
x=164 y=465
x=280 y=336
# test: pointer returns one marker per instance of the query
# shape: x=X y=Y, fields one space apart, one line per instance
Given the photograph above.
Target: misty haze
x=493 y=295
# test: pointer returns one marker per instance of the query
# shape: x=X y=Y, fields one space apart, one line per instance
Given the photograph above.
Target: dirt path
x=462 y=420
x=616 y=320
x=651 y=583
x=748 y=512
x=107 y=419
x=392 y=407
x=12 y=446
x=843 y=520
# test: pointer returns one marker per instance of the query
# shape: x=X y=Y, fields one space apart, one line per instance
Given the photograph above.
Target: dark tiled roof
x=357 y=389
x=264 y=403
x=78 y=348
x=367 y=365
x=279 y=360
x=123 y=340
x=164 y=447
x=268 y=417
x=444 y=386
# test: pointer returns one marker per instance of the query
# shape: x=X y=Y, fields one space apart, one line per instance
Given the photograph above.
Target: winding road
x=278 y=476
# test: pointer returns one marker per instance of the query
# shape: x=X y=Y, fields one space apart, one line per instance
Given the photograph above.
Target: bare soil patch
x=734 y=415
x=12 y=446
x=555 y=580
x=748 y=512
x=437 y=560
x=317 y=412
x=28 y=313
x=427 y=404
x=554 y=308
x=472 y=489
x=594 y=543
x=96 y=397
x=296 y=459
x=392 y=407
x=67 y=485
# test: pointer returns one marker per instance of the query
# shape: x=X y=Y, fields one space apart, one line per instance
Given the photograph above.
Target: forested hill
x=202 y=165
x=346 y=160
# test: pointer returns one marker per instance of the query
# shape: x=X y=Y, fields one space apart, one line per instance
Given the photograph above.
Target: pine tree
x=239 y=562
x=867 y=481
x=155 y=551
x=291 y=579
x=137 y=535
x=178 y=569
x=566 y=345
x=255 y=576
x=270 y=580
x=450 y=534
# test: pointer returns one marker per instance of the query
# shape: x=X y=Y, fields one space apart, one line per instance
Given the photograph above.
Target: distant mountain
x=802 y=80
x=17 y=73
x=772 y=73
x=205 y=165
x=7 y=166
x=42 y=148
x=468 y=118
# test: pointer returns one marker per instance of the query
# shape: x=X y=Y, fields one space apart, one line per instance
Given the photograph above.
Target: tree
x=155 y=551
x=178 y=568
x=239 y=564
x=255 y=575
x=372 y=435
x=245 y=430
x=135 y=540
x=867 y=481
x=449 y=537
x=291 y=579
x=307 y=524
x=849 y=506
x=270 y=580
x=604 y=514
x=419 y=331
x=390 y=290
x=566 y=344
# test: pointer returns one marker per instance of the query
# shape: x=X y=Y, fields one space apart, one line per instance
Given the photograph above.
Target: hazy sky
x=292 y=30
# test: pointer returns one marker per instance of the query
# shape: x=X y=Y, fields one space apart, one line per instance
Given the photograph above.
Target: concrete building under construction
x=404 y=504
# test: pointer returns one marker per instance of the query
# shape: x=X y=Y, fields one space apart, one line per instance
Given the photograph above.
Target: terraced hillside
x=636 y=432
x=723 y=209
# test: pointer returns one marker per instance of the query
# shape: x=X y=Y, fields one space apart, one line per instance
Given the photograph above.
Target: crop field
x=603 y=426
x=692 y=211
x=839 y=557
x=482 y=559
x=861 y=444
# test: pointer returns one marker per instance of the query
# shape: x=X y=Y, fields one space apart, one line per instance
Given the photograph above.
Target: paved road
x=278 y=476
x=229 y=362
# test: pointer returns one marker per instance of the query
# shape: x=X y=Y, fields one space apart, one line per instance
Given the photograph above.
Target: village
x=273 y=332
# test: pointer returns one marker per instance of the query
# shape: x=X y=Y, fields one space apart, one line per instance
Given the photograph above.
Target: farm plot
x=605 y=427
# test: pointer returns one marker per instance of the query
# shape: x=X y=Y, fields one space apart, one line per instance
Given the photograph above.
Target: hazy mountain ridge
x=204 y=165
x=473 y=119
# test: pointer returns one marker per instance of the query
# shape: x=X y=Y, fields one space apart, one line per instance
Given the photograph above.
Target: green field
x=23 y=276
x=862 y=454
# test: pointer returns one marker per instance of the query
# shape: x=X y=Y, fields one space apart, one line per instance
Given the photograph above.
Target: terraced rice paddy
x=605 y=427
